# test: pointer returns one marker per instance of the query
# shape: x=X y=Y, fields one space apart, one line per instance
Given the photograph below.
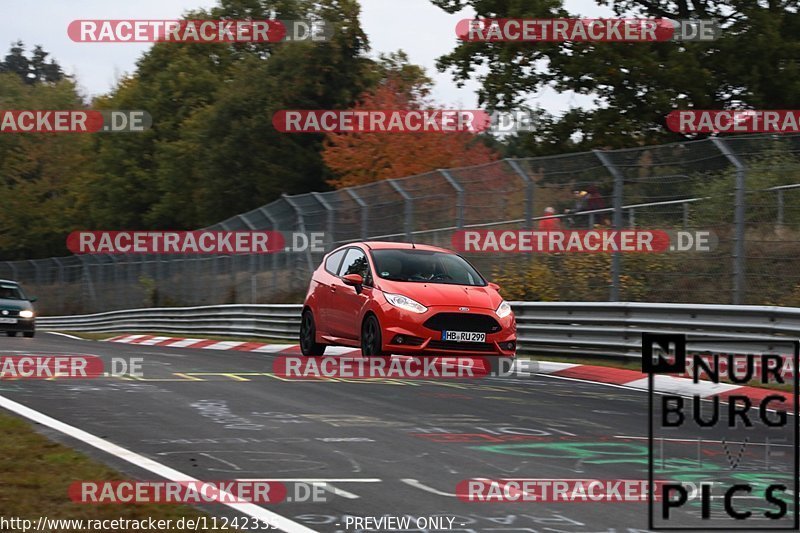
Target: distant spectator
x=587 y=200
x=550 y=222
x=596 y=202
x=581 y=201
x=595 y=199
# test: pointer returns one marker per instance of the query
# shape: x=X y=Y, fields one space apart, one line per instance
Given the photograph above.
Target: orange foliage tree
x=359 y=158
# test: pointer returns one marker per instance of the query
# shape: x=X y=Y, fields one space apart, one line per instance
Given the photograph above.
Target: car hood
x=433 y=294
x=15 y=305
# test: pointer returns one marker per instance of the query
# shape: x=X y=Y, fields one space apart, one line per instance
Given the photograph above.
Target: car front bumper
x=22 y=324
x=407 y=333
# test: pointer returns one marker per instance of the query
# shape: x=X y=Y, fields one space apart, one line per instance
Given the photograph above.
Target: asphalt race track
x=392 y=448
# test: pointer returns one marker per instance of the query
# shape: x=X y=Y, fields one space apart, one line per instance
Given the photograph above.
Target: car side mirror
x=354 y=280
x=495 y=286
x=32 y=299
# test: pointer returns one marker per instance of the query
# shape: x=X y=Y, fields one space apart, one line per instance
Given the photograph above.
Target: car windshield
x=10 y=292
x=424 y=266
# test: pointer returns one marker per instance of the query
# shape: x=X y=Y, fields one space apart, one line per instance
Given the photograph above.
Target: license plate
x=8 y=320
x=463 y=336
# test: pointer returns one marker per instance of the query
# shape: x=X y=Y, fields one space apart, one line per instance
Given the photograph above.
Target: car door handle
x=333 y=289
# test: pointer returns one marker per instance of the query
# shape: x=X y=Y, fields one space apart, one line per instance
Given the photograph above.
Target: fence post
x=60 y=282
x=619 y=182
x=87 y=277
x=301 y=225
x=408 y=209
x=364 y=208
x=274 y=258
x=253 y=269
x=330 y=218
x=529 y=184
x=738 y=217
x=459 y=197
x=780 y=207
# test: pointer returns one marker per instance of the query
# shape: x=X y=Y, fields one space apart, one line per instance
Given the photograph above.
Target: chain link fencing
x=746 y=190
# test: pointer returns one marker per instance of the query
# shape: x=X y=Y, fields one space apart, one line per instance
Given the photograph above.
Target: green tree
x=212 y=151
x=35 y=69
x=38 y=172
x=754 y=64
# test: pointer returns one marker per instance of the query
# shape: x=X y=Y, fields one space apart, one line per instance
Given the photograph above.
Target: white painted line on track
x=182 y=343
x=153 y=340
x=638 y=389
x=704 y=441
x=64 y=335
x=249 y=509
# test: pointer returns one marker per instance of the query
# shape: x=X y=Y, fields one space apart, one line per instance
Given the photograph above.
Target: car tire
x=29 y=334
x=11 y=333
x=308 y=336
x=371 y=340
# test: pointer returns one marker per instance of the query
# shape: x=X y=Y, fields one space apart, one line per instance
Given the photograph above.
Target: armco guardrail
x=268 y=321
x=574 y=328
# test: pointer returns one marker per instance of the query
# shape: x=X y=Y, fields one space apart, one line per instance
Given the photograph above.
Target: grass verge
x=36 y=473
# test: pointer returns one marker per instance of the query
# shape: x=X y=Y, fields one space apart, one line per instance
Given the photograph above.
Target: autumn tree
x=359 y=158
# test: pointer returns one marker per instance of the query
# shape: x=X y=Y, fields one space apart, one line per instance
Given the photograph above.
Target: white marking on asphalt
x=273 y=348
x=154 y=340
x=626 y=387
x=65 y=335
x=254 y=511
x=183 y=343
x=336 y=491
x=129 y=338
x=417 y=484
x=684 y=386
x=547 y=367
x=342 y=350
x=703 y=441
x=224 y=345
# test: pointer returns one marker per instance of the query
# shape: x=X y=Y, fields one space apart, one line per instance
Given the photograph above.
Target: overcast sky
x=424 y=31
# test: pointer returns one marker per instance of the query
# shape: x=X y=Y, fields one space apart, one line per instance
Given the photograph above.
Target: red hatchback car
x=396 y=298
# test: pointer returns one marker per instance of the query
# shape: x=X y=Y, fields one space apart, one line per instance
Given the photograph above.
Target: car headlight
x=26 y=314
x=503 y=309
x=404 y=302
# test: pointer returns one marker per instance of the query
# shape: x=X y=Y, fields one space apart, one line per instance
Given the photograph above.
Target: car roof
x=388 y=245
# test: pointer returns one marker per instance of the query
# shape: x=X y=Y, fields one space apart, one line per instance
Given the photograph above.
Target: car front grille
x=462 y=322
x=461 y=346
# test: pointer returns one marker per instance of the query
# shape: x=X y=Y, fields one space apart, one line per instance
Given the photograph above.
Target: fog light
x=399 y=339
x=510 y=345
